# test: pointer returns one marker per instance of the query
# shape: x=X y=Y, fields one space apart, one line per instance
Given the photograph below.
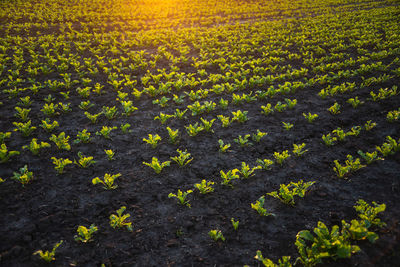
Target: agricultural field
x=199 y=133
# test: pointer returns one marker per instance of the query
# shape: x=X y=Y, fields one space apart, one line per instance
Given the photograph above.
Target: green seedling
x=207 y=124
x=24 y=176
x=22 y=113
x=193 y=130
x=235 y=224
x=173 y=135
x=287 y=125
x=125 y=128
x=284 y=262
x=119 y=221
x=298 y=149
x=339 y=132
x=24 y=127
x=334 y=109
x=229 y=176
x=223 y=147
x=355 y=102
x=25 y=101
x=368 y=213
x=163 y=117
x=157 y=165
x=48 y=256
x=259 y=207
x=60 y=164
x=84 y=234
x=223 y=103
x=354 y=131
x=340 y=170
x=82 y=137
x=49 y=126
x=257 y=136
x=92 y=117
x=105 y=131
x=390 y=147
x=180 y=114
x=162 y=102
x=354 y=164
x=183 y=158
x=280 y=107
x=178 y=99
x=49 y=109
x=110 y=154
x=110 y=112
x=268 y=109
x=152 y=140
x=286 y=193
x=128 y=108
x=246 y=171
x=265 y=164
x=358 y=230
x=205 y=187
x=61 y=141
x=85 y=105
x=369 y=157
x=329 y=140
x=216 y=235
x=181 y=197
x=369 y=125
x=240 y=116
x=6 y=154
x=83 y=161
x=243 y=141
x=310 y=117
x=281 y=157
x=291 y=103
x=4 y=136
x=35 y=147
x=393 y=115
x=225 y=120
x=107 y=181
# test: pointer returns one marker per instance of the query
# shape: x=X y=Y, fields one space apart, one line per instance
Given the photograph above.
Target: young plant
x=287 y=125
x=340 y=170
x=118 y=220
x=281 y=157
x=259 y=207
x=110 y=154
x=4 y=136
x=235 y=224
x=369 y=157
x=125 y=128
x=223 y=147
x=83 y=161
x=183 y=158
x=22 y=113
x=49 y=109
x=24 y=176
x=60 y=164
x=369 y=125
x=35 y=147
x=334 y=109
x=107 y=181
x=181 y=197
x=355 y=102
x=128 y=108
x=257 y=136
x=105 y=131
x=163 y=117
x=61 y=141
x=268 y=109
x=5 y=154
x=393 y=115
x=265 y=164
x=329 y=140
x=49 y=126
x=223 y=103
x=157 y=165
x=84 y=234
x=152 y=140
x=82 y=137
x=280 y=107
x=225 y=120
x=240 y=116
x=110 y=112
x=24 y=127
x=173 y=135
x=229 y=176
x=205 y=187
x=298 y=149
x=310 y=117
x=216 y=235
x=246 y=171
x=243 y=141
x=369 y=213
x=354 y=164
x=85 y=105
x=286 y=193
x=92 y=117
x=207 y=124
x=180 y=114
x=193 y=130
x=291 y=103
x=47 y=255
x=284 y=262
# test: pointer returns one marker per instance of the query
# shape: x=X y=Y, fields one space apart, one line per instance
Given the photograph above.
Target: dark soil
x=165 y=233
